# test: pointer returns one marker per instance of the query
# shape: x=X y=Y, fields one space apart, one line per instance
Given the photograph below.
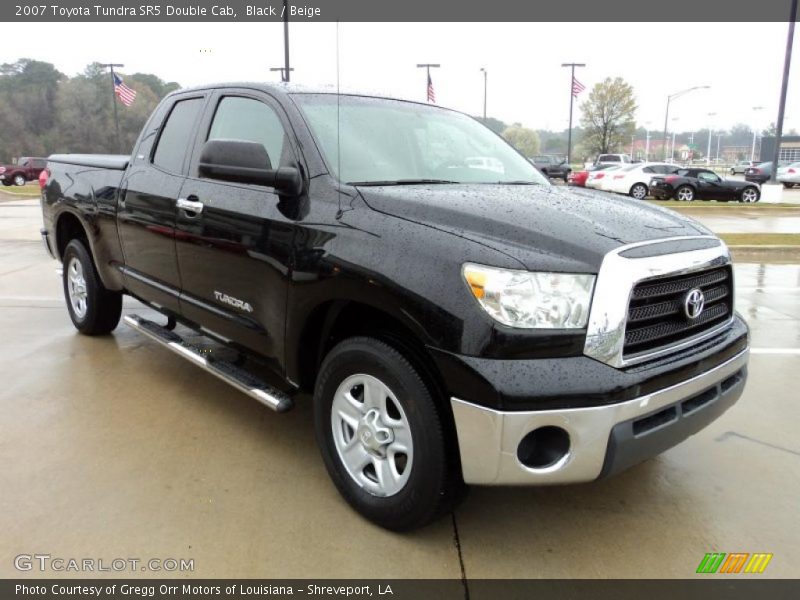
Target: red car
x=27 y=169
x=579 y=177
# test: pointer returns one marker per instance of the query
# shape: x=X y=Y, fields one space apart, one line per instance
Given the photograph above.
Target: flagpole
x=571 y=99
x=427 y=67
x=114 y=102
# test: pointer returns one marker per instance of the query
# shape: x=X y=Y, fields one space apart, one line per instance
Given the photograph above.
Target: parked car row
x=664 y=180
x=27 y=169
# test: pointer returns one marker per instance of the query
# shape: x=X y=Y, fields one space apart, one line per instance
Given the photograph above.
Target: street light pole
x=672 y=97
x=787 y=62
x=114 y=101
x=755 y=133
x=485 y=85
x=708 y=150
x=283 y=72
x=287 y=70
x=571 y=99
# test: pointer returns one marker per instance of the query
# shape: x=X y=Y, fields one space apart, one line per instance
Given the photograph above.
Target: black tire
x=638 y=191
x=103 y=307
x=687 y=191
x=19 y=179
x=7 y=183
x=788 y=185
x=434 y=483
x=733 y=171
x=749 y=194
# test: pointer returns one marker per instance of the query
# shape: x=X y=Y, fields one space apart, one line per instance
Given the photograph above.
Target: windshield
x=393 y=142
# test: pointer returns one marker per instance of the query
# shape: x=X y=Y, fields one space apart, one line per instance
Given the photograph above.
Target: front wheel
x=19 y=179
x=788 y=185
x=382 y=436
x=685 y=193
x=733 y=171
x=749 y=194
x=94 y=310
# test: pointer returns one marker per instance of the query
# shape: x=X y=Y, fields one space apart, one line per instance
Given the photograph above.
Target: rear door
x=234 y=253
x=146 y=210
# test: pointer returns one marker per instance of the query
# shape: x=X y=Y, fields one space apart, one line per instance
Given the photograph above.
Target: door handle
x=192 y=206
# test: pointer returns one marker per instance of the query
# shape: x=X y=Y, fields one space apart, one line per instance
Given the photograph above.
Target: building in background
x=789 y=151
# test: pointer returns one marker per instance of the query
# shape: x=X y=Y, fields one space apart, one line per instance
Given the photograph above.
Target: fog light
x=543 y=447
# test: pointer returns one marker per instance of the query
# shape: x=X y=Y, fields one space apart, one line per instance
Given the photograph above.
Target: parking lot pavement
x=113 y=447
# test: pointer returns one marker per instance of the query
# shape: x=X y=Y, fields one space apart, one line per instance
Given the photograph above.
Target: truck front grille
x=657 y=316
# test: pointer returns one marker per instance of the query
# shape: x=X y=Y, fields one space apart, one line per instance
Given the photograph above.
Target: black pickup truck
x=455 y=324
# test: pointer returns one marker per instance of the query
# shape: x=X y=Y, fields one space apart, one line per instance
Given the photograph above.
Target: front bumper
x=602 y=439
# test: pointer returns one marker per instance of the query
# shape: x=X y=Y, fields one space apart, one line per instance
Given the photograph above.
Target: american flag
x=431 y=93
x=577 y=87
x=125 y=94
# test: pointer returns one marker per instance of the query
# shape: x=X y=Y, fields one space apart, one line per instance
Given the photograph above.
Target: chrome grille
x=656 y=316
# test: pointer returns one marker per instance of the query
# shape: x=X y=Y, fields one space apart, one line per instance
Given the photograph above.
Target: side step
x=229 y=373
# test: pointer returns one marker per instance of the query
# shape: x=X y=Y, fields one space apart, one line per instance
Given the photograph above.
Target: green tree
x=523 y=139
x=608 y=116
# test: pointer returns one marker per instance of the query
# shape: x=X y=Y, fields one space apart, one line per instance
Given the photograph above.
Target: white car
x=634 y=180
x=486 y=163
x=596 y=178
x=789 y=176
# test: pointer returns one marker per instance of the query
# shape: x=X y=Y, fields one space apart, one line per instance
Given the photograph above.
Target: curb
x=766 y=253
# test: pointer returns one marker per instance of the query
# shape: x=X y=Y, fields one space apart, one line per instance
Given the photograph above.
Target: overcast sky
x=742 y=62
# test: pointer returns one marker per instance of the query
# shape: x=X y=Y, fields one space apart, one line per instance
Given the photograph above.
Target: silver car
x=743 y=165
x=789 y=175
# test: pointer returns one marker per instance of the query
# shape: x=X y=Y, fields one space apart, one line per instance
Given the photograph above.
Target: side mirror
x=247 y=162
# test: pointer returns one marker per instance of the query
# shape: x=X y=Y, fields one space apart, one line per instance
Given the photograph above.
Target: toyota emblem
x=693 y=303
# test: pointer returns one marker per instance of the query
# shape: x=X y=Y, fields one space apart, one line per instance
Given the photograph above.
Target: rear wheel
x=733 y=171
x=94 y=310
x=749 y=194
x=685 y=193
x=19 y=179
x=638 y=191
x=788 y=185
x=8 y=182
x=382 y=435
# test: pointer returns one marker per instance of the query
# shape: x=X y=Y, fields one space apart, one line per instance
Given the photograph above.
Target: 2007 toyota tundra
x=456 y=324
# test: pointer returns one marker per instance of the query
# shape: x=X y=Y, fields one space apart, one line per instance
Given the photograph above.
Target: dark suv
x=551 y=166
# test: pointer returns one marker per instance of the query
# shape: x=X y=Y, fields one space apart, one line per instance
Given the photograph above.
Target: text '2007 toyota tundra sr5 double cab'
x=454 y=324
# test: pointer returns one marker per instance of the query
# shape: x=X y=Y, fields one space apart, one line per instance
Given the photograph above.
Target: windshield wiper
x=520 y=182
x=402 y=182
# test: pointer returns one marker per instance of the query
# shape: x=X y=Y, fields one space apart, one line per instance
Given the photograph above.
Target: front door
x=233 y=240
x=146 y=209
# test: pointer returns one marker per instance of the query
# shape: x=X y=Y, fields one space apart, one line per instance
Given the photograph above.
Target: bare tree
x=608 y=116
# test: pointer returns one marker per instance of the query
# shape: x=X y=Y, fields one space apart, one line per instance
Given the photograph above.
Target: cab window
x=177 y=134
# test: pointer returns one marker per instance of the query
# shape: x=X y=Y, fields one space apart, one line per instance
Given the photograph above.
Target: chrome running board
x=229 y=373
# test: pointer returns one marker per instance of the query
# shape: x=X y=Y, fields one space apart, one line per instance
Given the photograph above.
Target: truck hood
x=543 y=227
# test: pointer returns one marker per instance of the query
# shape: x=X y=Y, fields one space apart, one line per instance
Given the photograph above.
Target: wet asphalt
x=113 y=447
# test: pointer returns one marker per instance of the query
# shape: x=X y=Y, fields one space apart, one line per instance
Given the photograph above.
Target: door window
x=252 y=121
x=177 y=134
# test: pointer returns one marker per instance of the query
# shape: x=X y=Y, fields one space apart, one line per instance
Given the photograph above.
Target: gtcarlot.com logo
x=735 y=562
x=46 y=562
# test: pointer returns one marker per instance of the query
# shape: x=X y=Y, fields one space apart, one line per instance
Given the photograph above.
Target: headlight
x=531 y=300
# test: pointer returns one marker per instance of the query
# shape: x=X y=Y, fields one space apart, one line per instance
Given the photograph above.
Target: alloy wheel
x=76 y=285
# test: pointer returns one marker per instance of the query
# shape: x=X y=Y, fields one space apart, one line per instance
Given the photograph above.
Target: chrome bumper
x=488 y=439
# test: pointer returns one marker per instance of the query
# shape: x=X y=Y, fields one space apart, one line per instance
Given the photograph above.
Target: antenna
x=338 y=129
